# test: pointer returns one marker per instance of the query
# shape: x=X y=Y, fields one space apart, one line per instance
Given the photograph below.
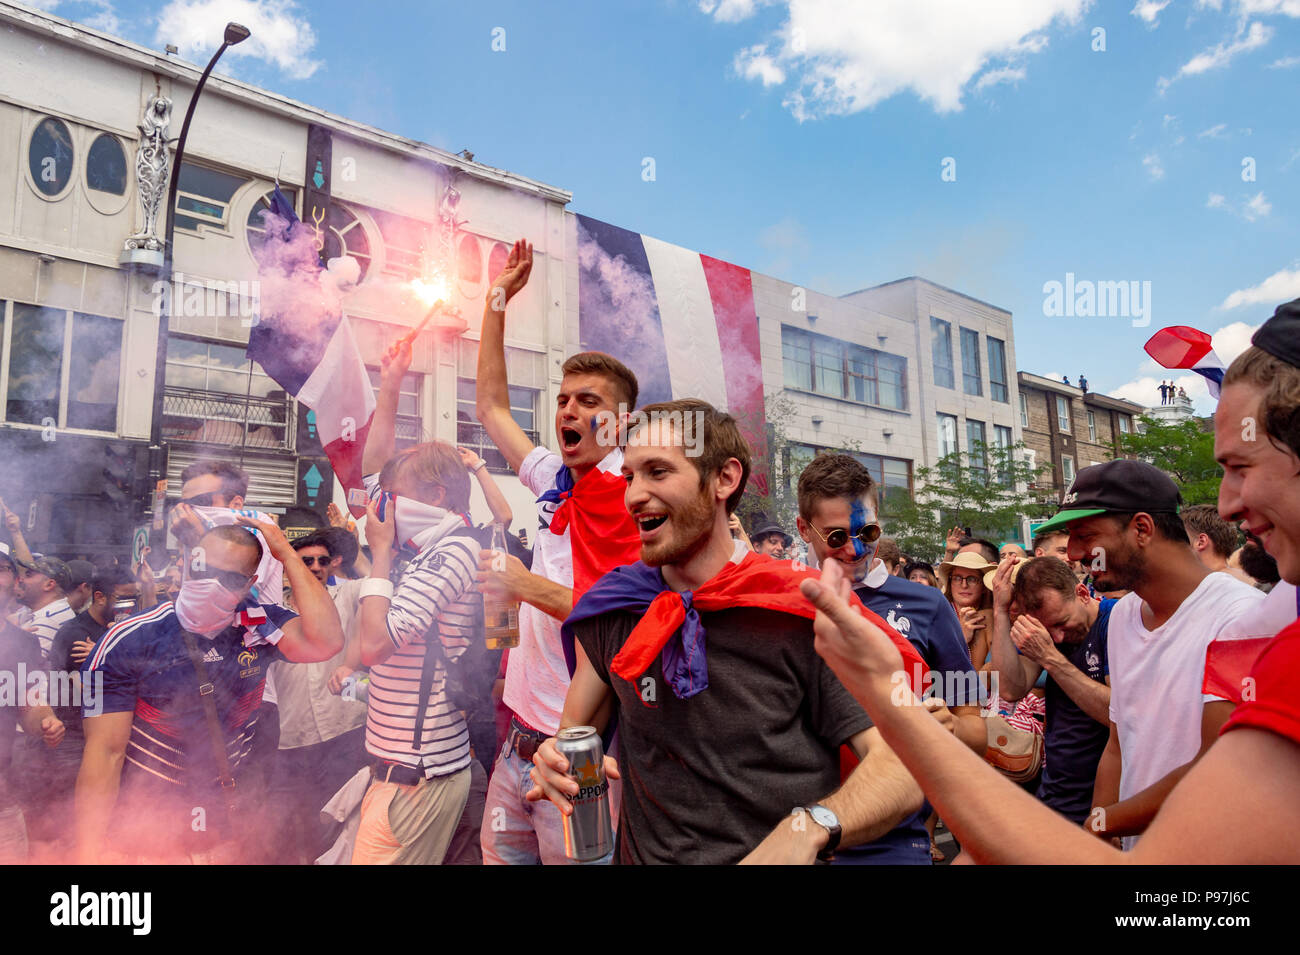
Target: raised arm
x=382 y=437
x=316 y=633
x=14 y=524
x=496 y=501
x=492 y=393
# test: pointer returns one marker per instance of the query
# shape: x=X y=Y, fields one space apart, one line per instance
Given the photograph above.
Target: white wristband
x=376 y=587
x=479 y=467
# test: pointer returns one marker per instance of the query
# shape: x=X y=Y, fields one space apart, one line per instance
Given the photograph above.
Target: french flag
x=685 y=323
x=1180 y=346
x=314 y=356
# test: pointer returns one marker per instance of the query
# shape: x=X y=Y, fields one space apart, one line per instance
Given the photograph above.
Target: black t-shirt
x=20 y=655
x=706 y=779
x=81 y=627
x=1073 y=740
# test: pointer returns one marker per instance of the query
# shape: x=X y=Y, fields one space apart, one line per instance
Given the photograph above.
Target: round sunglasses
x=868 y=534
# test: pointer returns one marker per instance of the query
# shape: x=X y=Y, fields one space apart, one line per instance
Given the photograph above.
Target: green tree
x=974 y=488
x=1183 y=450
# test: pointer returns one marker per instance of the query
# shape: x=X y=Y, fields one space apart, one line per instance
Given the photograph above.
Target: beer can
x=588 y=832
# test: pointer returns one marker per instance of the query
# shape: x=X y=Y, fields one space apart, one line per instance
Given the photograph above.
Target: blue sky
x=807 y=139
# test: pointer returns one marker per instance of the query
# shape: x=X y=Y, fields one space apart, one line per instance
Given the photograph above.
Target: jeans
x=519 y=832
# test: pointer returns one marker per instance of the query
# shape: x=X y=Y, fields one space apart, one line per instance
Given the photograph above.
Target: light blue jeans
x=518 y=832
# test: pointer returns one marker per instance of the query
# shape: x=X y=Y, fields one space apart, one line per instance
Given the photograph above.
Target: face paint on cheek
x=858 y=519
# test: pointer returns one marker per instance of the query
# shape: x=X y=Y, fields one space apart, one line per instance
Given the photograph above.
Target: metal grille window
x=60 y=367
x=526 y=377
x=998 y=370
x=410 y=428
x=972 y=380
x=214 y=395
x=941 y=352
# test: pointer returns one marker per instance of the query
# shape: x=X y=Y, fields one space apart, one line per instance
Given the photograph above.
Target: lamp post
x=235 y=33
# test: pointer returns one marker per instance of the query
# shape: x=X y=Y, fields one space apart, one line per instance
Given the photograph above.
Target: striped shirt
x=436 y=586
x=43 y=624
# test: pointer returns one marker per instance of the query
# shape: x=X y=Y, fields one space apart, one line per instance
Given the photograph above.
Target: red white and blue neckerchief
x=602 y=534
x=670 y=623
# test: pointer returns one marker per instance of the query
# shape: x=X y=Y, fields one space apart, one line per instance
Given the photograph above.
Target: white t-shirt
x=1156 y=677
x=537 y=678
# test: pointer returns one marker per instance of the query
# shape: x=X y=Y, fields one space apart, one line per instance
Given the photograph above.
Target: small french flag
x=1180 y=346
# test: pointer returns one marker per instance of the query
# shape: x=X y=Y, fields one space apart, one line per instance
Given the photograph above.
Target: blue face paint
x=858 y=520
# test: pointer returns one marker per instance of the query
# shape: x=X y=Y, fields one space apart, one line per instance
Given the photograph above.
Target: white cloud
x=99 y=16
x=1153 y=166
x=755 y=64
x=1148 y=11
x=1279 y=287
x=845 y=56
x=1146 y=389
x=1285 y=63
x=1256 y=207
x=1006 y=74
x=1214 y=132
x=281 y=35
x=1231 y=340
x=729 y=11
x=1250 y=208
x=1256 y=35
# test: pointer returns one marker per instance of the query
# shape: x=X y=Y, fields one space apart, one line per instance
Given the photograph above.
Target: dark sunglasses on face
x=230 y=579
x=312 y=560
x=200 y=500
x=867 y=534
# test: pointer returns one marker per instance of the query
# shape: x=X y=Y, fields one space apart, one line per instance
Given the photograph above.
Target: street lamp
x=235 y=33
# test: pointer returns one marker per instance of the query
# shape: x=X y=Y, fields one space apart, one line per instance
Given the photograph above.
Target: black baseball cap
x=1116 y=487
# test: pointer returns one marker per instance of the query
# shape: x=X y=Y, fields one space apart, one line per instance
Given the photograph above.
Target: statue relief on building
x=152 y=160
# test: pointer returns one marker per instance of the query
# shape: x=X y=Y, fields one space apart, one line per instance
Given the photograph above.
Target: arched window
x=50 y=156
x=346 y=236
x=106 y=165
x=497 y=260
x=469 y=260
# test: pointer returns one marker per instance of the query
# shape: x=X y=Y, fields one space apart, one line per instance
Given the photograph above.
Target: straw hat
x=968 y=561
x=1015 y=572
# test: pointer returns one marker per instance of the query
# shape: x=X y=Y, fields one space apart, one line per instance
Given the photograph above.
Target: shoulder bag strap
x=215 y=733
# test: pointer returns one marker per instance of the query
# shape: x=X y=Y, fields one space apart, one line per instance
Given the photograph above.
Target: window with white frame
x=947 y=434
x=1024 y=411
x=1092 y=427
x=60 y=367
x=1063 y=414
x=1067 y=468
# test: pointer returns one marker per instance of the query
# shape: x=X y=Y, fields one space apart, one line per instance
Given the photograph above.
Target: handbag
x=1016 y=753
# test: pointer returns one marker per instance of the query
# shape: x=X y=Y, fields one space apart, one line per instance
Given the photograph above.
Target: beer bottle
x=500 y=617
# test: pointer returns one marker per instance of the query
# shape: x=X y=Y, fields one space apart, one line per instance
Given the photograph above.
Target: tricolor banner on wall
x=685 y=323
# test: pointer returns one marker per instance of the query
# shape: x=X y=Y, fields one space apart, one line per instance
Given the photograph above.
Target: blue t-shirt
x=171 y=770
x=923 y=615
x=1072 y=740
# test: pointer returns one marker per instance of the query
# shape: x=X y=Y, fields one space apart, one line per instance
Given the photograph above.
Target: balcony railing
x=211 y=417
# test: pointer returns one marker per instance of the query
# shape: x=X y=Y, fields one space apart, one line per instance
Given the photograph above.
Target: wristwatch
x=828 y=821
x=480 y=466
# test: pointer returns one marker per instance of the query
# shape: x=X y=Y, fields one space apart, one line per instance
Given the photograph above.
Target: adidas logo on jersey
x=212 y=656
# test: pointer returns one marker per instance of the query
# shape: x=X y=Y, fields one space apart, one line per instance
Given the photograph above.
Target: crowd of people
x=770 y=694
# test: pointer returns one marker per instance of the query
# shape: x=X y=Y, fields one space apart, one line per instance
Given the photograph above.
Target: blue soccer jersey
x=142 y=666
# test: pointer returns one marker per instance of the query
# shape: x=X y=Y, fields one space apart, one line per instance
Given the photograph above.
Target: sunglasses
x=868 y=534
x=312 y=560
x=200 y=500
x=230 y=579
